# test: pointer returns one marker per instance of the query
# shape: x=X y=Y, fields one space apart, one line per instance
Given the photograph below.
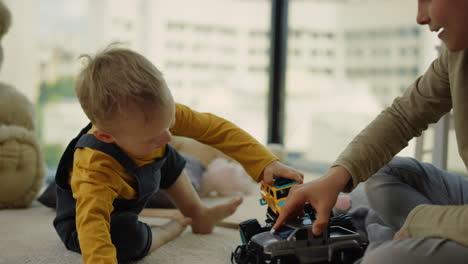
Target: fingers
x=323 y=216
x=299 y=211
x=298 y=177
x=290 y=174
x=276 y=169
x=290 y=208
x=268 y=178
x=281 y=218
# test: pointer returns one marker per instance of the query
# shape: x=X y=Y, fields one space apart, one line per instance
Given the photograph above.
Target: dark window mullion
x=278 y=47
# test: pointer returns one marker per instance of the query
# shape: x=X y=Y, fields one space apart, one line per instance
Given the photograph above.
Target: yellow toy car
x=275 y=196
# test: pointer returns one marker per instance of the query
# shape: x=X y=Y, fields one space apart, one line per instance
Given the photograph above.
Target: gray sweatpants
x=393 y=192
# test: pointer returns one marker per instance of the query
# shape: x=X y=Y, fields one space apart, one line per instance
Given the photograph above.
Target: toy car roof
x=283 y=182
x=299 y=223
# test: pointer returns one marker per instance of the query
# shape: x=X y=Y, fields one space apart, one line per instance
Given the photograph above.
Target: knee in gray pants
x=385 y=175
x=398 y=168
x=390 y=188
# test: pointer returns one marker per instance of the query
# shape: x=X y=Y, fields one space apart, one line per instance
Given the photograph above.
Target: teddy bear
x=21 y=164
x=217 y=174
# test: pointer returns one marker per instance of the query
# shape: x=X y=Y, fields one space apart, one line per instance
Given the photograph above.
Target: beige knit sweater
x=442 y=88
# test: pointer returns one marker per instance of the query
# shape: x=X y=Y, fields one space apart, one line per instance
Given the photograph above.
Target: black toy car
x=295 y=243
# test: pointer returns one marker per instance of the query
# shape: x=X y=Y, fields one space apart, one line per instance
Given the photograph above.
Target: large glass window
x=347 y=61
x=454 y=162
x=213 y=54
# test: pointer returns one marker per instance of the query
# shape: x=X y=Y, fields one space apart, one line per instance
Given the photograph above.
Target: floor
x=27 y=236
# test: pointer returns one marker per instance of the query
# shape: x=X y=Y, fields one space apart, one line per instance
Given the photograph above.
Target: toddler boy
x=121 y=158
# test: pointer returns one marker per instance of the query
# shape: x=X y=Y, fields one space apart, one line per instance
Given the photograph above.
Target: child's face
x=451 y=16
x=140 y=137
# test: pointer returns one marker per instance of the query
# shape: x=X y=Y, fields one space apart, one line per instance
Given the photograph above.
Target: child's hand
x=277 y=169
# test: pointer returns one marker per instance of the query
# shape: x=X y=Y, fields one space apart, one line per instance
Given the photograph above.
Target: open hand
x=321 y=194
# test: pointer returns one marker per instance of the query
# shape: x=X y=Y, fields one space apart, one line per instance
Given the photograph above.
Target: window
x=202 y=53
x=454 y=162
x=368 y=44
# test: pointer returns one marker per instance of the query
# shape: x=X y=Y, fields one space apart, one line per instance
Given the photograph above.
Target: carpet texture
x=27 y=236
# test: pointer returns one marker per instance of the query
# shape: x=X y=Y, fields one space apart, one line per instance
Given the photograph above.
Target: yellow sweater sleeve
x=95 y=183
x=225 y=136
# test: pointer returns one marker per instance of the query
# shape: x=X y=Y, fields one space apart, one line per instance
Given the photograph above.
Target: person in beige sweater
x=426 y=207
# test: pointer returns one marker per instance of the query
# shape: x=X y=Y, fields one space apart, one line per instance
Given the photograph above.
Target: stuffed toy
x=21 y=164
x=220 y=176
x=226 y=178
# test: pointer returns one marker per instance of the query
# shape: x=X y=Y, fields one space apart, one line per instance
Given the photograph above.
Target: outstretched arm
x=233 y=141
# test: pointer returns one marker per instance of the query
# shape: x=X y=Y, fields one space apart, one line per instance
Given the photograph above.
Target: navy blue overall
x=131 y=237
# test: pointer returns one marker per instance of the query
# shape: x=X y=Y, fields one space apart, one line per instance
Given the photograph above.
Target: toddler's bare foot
x=167 y=232
x=205 y=222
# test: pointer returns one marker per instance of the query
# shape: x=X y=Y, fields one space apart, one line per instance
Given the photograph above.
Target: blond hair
x=5 y=19
x=117 y=78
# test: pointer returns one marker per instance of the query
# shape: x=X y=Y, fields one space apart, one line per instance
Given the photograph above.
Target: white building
x=111 y=21
x=214 y=55
x=56 y=62
x=346 y=59
x=384 y=45
x=62 y=122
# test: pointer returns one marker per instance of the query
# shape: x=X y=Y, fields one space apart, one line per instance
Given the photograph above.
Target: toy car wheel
x=343 y=220
x=288 y=259
x=248 y=229
x=242 y=255
x=271 y=215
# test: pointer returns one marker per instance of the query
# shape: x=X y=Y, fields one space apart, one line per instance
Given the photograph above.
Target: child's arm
x=233 y=141
x=93 y=225
x=94 y=192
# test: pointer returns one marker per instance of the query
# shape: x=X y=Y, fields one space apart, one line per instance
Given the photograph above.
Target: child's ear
x=104 y=137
